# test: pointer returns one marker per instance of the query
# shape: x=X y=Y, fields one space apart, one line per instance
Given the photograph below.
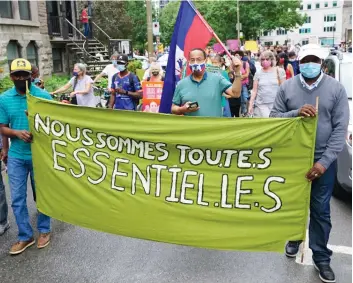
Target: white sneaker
x=4 y=228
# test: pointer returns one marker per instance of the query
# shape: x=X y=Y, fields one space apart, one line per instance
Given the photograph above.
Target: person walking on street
x=200 y=94
x=245 y=71
x=110 y=70
x=4 y=223
x=84 y=20
x=297 y=97
x=126 y=87
x=266 y=84
x=294 y=62
x=14 y=124
x=282 y=62
x=234 y=103
x=82 y=87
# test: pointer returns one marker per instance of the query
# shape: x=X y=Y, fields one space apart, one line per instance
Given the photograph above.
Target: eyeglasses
x=265 y=59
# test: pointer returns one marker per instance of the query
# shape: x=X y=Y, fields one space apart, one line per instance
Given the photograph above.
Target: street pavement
x=78 y=255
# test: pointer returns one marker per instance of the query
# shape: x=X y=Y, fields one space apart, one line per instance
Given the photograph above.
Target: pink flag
x=233 y=44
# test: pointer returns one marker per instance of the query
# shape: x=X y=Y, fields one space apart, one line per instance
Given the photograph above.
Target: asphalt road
x=80 y=255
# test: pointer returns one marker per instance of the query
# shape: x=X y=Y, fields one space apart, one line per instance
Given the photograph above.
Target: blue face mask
x=310 y=70
x=114 y=62
x=75 y=74
x=197 y=67
x=121 y=68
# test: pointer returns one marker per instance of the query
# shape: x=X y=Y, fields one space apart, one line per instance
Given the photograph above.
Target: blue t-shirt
x=123 y=101
x=12 y=113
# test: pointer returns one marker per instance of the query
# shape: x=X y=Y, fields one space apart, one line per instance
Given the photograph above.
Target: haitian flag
x=190 y=31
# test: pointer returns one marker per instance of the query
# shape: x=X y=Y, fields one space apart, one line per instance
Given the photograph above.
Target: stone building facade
x=347 y=22
x=38 y=31
x=24 y=33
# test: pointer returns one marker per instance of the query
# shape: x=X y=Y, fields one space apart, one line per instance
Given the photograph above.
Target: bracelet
x=237 y=76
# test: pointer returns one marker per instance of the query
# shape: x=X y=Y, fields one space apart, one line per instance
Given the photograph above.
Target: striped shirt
x=12 y=113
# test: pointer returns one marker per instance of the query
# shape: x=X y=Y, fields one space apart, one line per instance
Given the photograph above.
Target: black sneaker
x=326 y=273
x=292 y=248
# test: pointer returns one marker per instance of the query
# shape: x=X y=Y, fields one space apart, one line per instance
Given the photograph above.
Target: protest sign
x=233 y=184
x=152 y=92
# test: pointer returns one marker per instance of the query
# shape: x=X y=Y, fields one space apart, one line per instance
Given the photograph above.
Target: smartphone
x=193 y=105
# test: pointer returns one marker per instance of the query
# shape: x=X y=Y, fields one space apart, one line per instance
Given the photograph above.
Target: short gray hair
x=81 y=66
x=270 y=55
x=115 y=54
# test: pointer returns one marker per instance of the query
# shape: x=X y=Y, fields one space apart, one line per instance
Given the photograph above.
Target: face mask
x=155 y=73
x=197 y=67
x=75 y=74
x=310 y=70
x=21 y=85
x=121 y=68
x=291 y=60
x=114 y=62
x=266 y=64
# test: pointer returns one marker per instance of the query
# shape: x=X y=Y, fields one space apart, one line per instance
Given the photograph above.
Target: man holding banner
x=14 y=124
x=332 y=108
x=200 y=94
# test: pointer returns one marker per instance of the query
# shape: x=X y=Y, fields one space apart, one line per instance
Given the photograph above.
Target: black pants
x=235 y=110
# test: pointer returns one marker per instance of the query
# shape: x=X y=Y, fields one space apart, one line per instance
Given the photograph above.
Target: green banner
x=234 y=184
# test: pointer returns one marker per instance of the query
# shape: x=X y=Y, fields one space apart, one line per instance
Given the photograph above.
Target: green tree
x=222 y=17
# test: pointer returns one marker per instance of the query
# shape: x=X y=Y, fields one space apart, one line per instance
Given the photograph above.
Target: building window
x=301 y=7
x=25 y=11
x=13 y=51
x=32 y=53
x=308 y=20
x=330 y=18
x=305 y=30
x=308 y=6
x=317 y=5
x=57 y=60
x=329 y=29
x=281 y=32
x=334 y=4
x=266 y=33
x=326 y=4
x=327 y=41
x=305 y=42
x=269 y=43
x=6 y=9
x=350 y=19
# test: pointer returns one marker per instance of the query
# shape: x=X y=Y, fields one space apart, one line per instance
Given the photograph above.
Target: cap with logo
x=122 y=59
x=313 y=50
x=20 y=65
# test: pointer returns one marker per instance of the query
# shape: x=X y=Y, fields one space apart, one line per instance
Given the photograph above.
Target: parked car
x=339 y=66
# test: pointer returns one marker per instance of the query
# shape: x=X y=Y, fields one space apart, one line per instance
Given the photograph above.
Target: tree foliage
x=222 y=17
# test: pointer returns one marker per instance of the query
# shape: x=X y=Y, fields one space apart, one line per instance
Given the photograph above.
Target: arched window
x=13 y=51
x=32 y=54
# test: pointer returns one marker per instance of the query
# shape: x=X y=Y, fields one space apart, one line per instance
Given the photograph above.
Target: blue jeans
x=244 y=99
x=85 y=29
x=226 y=110
x=18 y=171
x=320 y=219
x=3 y=203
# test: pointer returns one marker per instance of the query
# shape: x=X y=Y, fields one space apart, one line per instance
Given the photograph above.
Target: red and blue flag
x=190 y=31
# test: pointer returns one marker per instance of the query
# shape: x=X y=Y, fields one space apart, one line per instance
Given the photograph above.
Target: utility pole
x=149 y=28
x=238 y=21
x=333 y=35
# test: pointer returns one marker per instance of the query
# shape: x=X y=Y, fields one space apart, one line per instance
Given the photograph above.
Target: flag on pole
x=190 y=31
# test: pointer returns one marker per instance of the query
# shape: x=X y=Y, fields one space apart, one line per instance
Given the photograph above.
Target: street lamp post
x=149 y=27
x=238 y=21
x=333 y=35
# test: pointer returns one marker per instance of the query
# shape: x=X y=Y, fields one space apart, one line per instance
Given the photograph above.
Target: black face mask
x=155 y=73
x=20 y=85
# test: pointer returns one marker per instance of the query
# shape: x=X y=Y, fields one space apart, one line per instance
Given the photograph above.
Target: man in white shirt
x=110 y=70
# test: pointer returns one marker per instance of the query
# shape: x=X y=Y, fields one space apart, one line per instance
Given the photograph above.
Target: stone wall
x=26 y=31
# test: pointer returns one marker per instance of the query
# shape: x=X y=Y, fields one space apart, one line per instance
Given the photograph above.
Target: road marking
x=307 y=257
